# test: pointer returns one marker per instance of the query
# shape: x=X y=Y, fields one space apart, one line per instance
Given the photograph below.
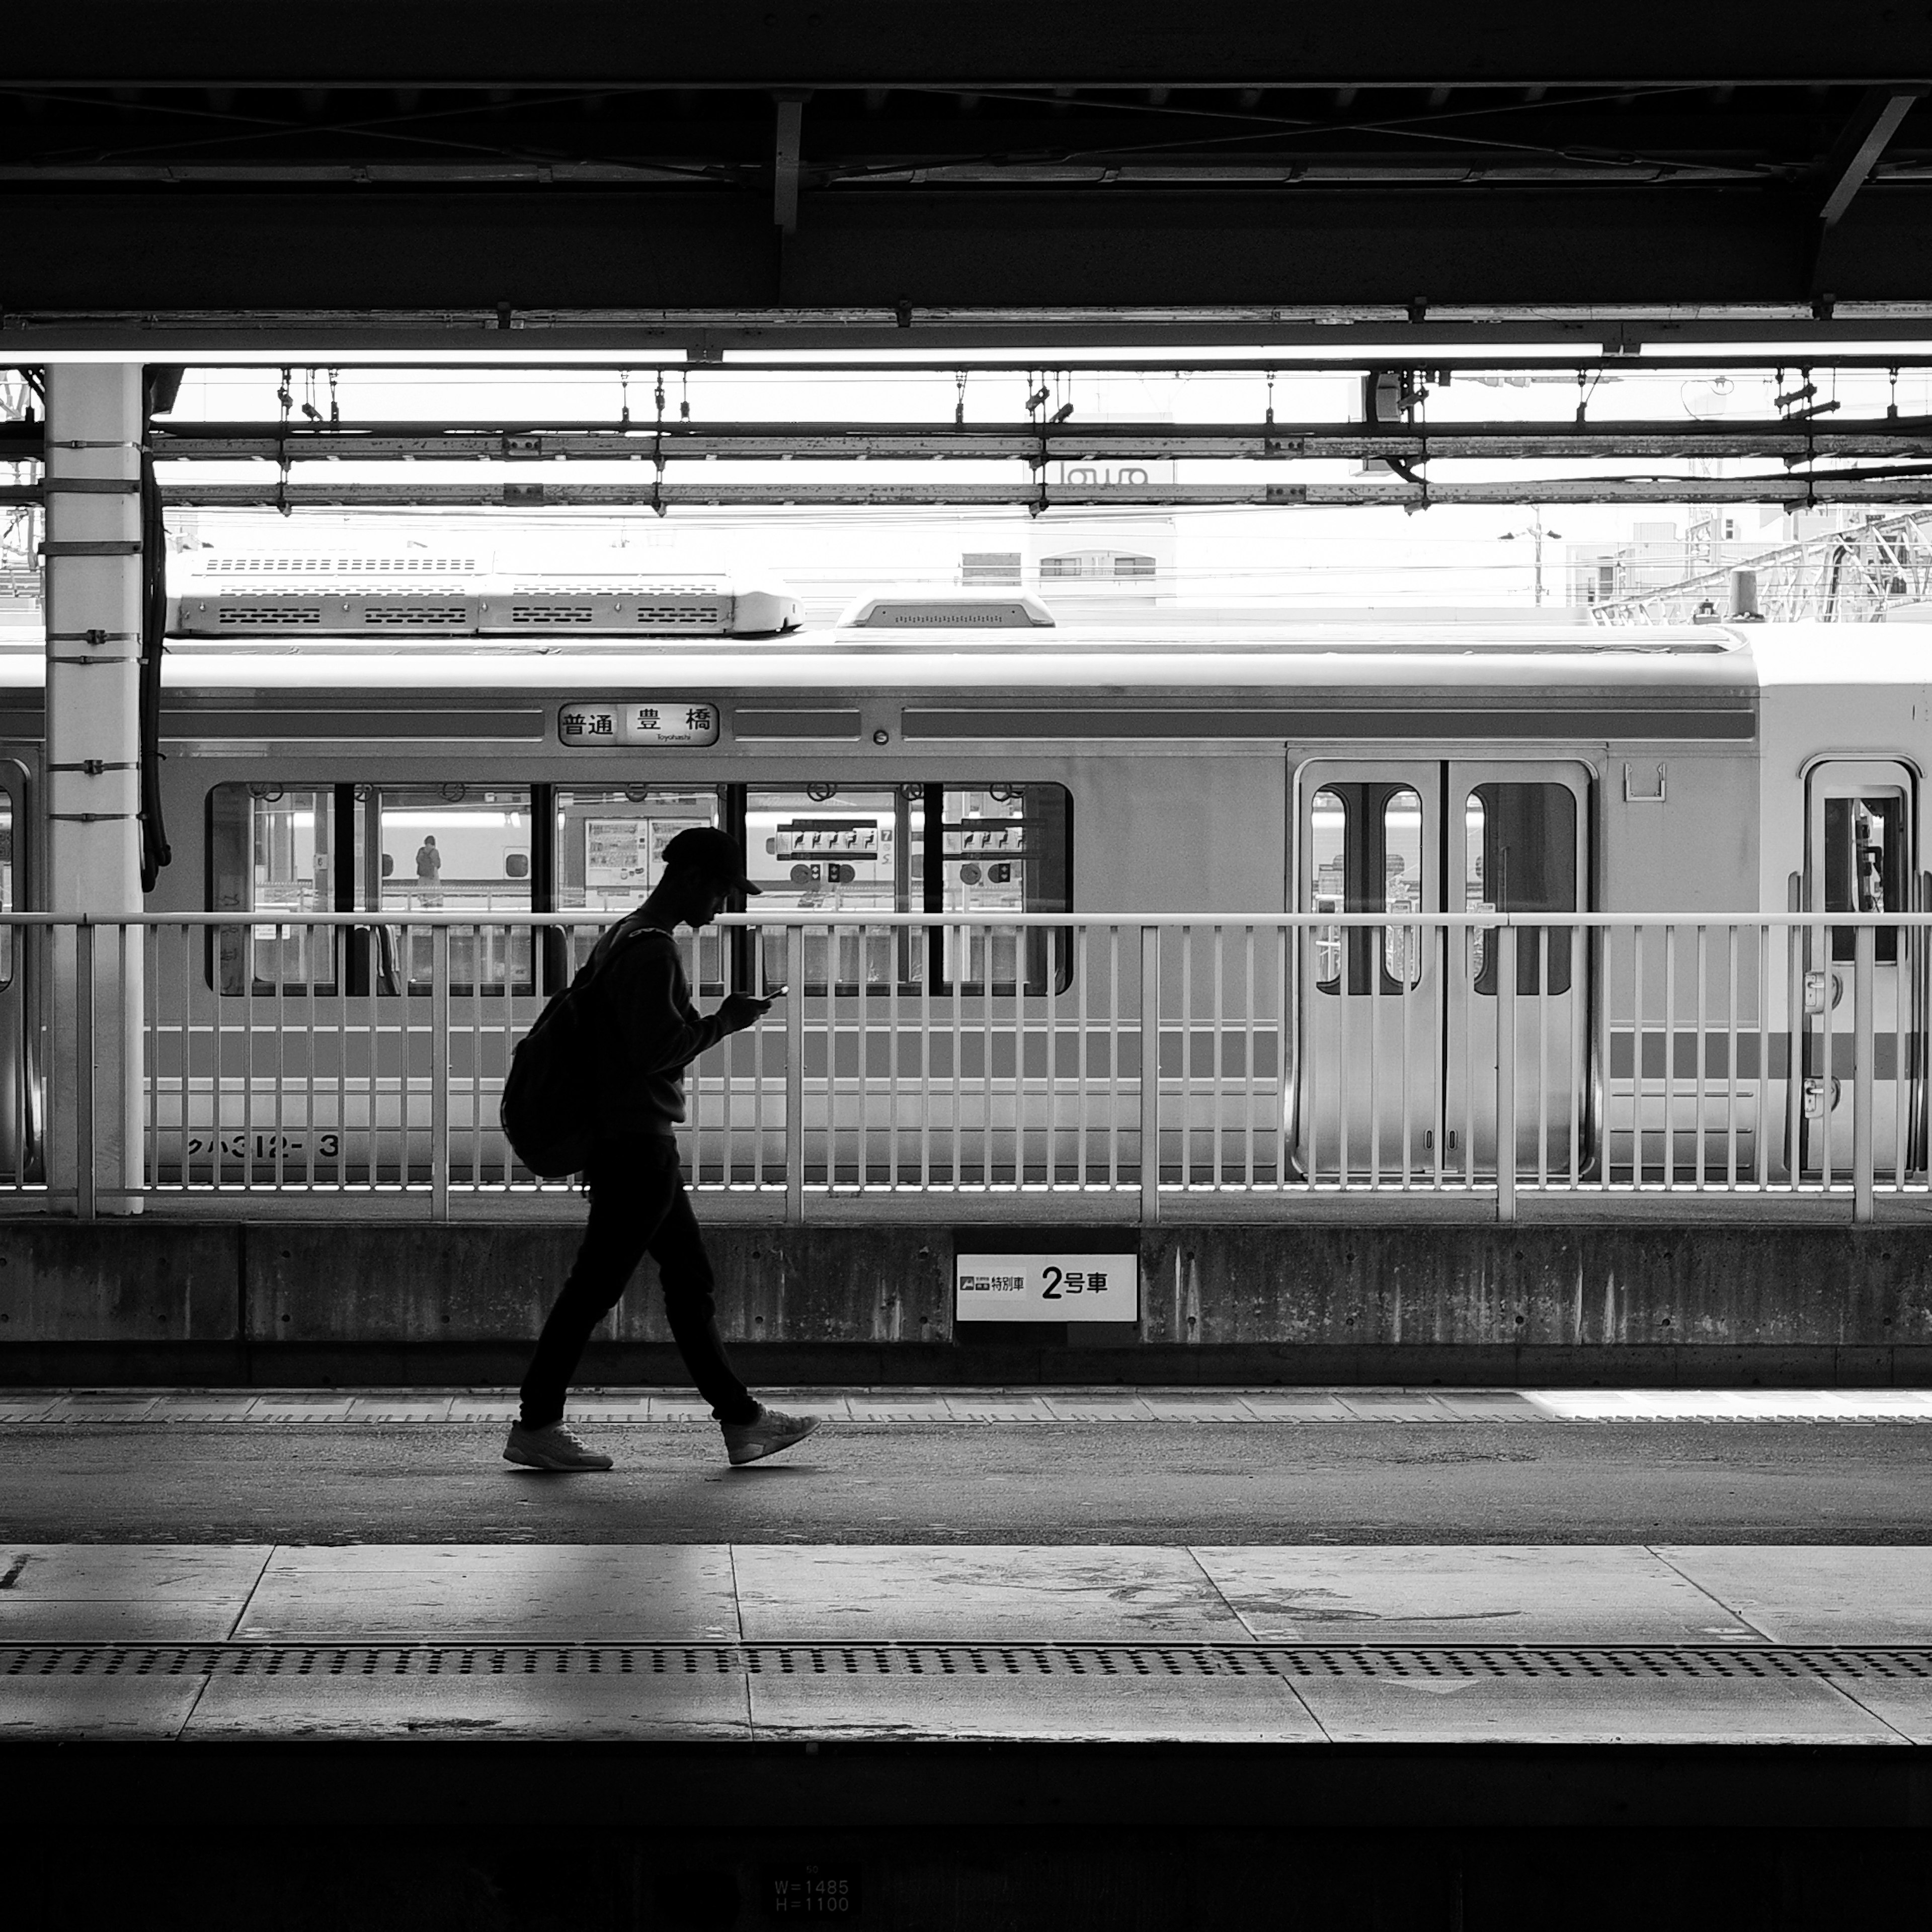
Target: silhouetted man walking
x=637 y=1201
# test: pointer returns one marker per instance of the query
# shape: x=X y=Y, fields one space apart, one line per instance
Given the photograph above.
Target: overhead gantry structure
x=623 y=175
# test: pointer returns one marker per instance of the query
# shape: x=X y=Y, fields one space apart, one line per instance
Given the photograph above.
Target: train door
x=1517 y=841
x=1857 y=858
x=19 y=1067
x=1401 y=1044
x=1369 y=1093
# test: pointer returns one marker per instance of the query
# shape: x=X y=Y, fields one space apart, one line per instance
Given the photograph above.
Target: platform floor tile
x=1120 y=1406
x=565 y=1592
x=964 y=1703
x=1806 y=1594
x=291 y=1406
x=1421 y=1593
x=1585 y=1706
x=117 y=1709
x=98 y=1409
x=911 y=1593
x=581 y=1705
x=400 y=1408
x=117 y=1593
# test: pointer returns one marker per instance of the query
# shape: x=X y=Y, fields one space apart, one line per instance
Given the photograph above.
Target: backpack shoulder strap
x=620 y=941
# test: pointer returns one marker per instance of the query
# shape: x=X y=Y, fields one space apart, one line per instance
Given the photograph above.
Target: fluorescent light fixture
x=1771 y=353
x=1320 y=354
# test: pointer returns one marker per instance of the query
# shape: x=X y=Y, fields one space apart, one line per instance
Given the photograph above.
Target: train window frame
x=12 y=877
x=361 y=959
x=243 y=932
x=1560 y=865
x=914 y=964
x=1365 y=804
x=1893 y=880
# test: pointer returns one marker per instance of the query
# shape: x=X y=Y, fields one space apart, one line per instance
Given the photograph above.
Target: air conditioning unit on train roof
x=398 y=595
x=611 y=604
x=943 y=611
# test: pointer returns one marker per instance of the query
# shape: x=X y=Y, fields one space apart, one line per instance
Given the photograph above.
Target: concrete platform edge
x=381 y=1304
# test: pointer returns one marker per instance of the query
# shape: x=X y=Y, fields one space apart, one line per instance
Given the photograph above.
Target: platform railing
x=1132 y=1068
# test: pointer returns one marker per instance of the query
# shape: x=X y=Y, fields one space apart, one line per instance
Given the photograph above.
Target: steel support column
x=91 y=781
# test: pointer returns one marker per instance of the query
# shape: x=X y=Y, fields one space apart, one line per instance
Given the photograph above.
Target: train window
x=610 y=851
x=1327 y=864
x=1005 y=849
x=450 y=848
x=840 y=848
x=1521 y=843
x=1401 y=885
x=1365 y=855
x=1864 y=868
x=271 y=851
x=7 y=898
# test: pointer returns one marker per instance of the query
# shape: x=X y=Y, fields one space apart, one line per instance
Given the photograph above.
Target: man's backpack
x=549 y=1108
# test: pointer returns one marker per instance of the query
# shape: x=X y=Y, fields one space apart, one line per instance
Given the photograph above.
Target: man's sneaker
x=554 y=1446
x=773 y=1430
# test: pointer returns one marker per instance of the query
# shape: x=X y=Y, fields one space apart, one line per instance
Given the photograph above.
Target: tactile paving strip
x=1538 y=1662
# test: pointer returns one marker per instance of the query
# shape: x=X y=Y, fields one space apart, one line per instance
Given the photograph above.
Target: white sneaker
x=773 y=1430
x=555 y=1446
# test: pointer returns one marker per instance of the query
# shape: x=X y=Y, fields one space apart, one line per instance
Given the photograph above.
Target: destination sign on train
x=638 y=721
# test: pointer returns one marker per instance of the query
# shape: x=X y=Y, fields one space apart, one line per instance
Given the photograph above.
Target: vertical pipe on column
x=1150 y=1075
x=794 y=1072
x=94 y=614
x=1506 y=943
x=1863 y=983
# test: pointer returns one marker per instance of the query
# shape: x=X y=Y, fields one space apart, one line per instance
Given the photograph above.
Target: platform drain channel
x=1541 y=1662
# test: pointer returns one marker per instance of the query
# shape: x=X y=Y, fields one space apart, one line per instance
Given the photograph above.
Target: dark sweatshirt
x=654 y=1030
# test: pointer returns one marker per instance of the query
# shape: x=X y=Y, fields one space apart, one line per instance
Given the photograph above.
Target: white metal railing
x=1126 y=1067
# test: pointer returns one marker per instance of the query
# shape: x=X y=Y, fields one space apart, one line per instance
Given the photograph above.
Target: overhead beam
x=1849 y=164
x=1890 y=439
x=272 y=494
x=787 y=146
x=1509 y=252
x=979 y=45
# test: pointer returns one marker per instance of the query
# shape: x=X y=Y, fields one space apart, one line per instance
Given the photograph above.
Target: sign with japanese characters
x=1046 y=1288
x=638 y=721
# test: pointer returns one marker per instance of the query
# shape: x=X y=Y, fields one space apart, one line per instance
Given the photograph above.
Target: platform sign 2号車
x=1046 y=1288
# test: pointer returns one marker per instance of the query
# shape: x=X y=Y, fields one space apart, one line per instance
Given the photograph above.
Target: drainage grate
x=1539 y=1662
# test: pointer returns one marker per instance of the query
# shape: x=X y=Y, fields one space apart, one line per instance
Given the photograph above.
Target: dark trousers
x=638 y=1206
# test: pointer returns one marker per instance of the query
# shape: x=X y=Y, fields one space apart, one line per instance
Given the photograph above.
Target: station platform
x=990 y=1657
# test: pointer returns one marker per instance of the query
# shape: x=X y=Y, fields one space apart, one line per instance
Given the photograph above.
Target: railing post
x=1506 y=939
x=438 y=1069
x=83 y=1071
x=795 y=1073
x=1150 y=1076
x=1865 y=944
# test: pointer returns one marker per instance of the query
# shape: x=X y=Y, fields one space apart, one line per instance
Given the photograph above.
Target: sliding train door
x=1404 y=1066
x=1859 y=858
x=1517 y=834
x=20 y=1034
x=1368 y=1092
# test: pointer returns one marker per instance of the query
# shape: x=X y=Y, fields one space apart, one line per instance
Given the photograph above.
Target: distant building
x=1658 y=555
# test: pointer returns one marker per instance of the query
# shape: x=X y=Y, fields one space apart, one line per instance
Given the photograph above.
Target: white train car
x=932 y=757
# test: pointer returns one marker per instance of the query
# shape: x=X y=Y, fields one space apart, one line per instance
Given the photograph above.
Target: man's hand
x=740 y=1010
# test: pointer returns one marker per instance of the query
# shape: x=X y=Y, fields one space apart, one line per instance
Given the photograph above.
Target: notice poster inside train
x=617 y=852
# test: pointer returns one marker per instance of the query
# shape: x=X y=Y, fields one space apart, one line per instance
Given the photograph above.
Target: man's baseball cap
x=701 y=848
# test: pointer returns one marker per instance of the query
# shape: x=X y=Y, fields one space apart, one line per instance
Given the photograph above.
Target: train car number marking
x=1046 y=1288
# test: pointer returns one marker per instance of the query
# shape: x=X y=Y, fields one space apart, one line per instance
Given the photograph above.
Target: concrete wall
x=295 y=1304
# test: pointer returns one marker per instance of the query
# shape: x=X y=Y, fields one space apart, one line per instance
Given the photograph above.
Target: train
x=974 y=758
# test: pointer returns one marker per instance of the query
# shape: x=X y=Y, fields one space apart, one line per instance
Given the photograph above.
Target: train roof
x=1090 y=659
